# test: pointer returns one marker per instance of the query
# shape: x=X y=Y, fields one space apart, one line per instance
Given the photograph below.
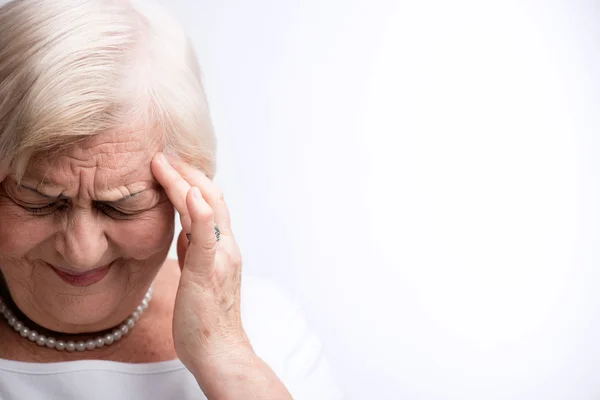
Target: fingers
x=177 y=178
x=210 y=192
x=203 y=236
x=175 y=186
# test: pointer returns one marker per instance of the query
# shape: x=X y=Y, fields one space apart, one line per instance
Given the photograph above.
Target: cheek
x=147 y=235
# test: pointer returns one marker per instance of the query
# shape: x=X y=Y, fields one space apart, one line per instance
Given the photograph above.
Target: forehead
x=108 y=160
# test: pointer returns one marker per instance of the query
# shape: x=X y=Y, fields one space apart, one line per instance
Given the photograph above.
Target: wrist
x=223 y=359
x=218 y=374
x=238 y=373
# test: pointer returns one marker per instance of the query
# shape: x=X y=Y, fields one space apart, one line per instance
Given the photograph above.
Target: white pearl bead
x=70 y=346
x=33 y=335
x=60 y=345
x=109 y=339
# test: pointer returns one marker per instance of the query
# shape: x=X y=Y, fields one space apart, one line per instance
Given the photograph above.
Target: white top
x=273 y=322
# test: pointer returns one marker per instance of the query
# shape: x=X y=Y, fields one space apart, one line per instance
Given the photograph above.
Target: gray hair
x=74 y=68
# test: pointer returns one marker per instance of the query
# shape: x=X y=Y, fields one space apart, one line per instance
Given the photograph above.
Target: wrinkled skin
x=81 y=224
x=79 y=233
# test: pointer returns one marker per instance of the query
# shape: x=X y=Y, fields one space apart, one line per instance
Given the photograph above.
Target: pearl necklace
x=71 y=345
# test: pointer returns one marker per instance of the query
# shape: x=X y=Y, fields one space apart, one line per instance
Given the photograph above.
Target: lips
x=82 y=279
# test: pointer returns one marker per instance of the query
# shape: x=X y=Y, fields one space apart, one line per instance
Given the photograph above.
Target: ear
x=182 y=245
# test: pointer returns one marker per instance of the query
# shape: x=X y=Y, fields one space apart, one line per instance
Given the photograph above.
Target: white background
x=424 y=177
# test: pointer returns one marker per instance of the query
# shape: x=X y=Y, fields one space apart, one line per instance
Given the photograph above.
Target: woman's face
x=85 y=234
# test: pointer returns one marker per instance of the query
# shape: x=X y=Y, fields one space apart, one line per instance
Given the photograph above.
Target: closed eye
x=112 y=211
x=44 y=210
x=54 y=207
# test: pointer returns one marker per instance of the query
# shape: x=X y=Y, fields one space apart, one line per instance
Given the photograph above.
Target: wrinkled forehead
x=108 y=160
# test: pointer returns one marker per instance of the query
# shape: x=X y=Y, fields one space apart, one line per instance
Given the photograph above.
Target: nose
x=82 y=240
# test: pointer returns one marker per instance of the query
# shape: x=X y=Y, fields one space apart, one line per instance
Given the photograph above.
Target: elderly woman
x=104 y=133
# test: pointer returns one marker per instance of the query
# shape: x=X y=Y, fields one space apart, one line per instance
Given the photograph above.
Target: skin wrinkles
x=82 y=234
x=84 y=162
x=62 y=197
x=201 y=297
x=125 y=197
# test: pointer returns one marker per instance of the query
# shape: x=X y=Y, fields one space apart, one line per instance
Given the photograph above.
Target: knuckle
x=231 y=258
x=206 y=215
x=209 y=246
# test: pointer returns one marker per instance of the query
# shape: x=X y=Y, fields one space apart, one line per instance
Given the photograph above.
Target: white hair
x=74 y=68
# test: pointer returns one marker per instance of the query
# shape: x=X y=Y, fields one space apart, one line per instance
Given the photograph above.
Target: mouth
x=82 y=279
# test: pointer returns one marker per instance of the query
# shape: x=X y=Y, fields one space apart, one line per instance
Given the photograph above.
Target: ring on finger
x=217 y=234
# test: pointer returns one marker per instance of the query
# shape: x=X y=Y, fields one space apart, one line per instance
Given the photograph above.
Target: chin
x=74 y=305
x=92 y=313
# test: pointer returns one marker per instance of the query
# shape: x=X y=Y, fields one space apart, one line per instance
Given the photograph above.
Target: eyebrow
x=63 y=197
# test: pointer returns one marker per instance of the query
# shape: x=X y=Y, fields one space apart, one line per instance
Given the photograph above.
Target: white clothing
x=274 y=324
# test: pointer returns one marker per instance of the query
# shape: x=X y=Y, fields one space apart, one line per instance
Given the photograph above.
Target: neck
x=7 y=298
x=149 y=341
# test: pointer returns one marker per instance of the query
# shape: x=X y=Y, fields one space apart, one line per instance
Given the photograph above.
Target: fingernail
x=160 y=157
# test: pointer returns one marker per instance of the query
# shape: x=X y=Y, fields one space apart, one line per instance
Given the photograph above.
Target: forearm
x=247 y=377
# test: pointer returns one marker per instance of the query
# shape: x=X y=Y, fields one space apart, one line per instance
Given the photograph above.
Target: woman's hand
x=207 y=327
x=206 y=320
